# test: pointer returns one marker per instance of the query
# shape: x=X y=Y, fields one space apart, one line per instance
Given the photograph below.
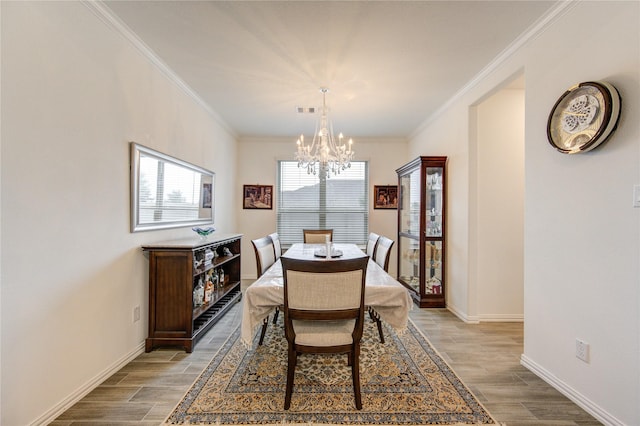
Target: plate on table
x=322 y=252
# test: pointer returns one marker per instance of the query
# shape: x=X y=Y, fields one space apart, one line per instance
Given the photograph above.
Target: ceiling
x=388 y=65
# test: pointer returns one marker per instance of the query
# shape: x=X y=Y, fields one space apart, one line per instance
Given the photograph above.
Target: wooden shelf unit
x=173 y=275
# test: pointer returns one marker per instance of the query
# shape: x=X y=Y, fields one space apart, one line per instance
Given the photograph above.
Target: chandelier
x=325 y=152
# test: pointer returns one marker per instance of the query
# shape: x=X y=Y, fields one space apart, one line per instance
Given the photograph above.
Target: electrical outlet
x=136 y=314
x=582 y=350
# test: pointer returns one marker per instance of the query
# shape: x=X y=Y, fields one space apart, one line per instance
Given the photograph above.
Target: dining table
x=389 y=298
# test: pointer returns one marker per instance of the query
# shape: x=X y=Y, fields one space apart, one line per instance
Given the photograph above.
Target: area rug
x=404 y=382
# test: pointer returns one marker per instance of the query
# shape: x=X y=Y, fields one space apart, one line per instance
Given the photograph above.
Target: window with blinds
x=306 y=201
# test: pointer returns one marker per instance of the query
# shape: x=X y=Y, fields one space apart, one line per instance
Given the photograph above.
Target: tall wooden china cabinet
x=421 y=229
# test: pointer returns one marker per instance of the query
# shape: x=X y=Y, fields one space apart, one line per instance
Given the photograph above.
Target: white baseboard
x=575 y=396
x=464 y=317
x=501 y=317
x=51 y=414
x=476 y=319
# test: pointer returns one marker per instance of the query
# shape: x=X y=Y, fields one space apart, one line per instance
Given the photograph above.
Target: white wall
x=258 y=165
x=74 y=93
x=581 y=235
x=449 y=136
x=499 y=186
x=582 y=240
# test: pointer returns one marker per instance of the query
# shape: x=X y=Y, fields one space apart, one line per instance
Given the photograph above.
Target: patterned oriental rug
x=403 y=382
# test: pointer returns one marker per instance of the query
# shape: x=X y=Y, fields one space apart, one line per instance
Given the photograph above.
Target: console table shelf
x=175 y=269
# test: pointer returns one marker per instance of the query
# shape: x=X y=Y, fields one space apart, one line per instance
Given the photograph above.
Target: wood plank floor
x=485 y=356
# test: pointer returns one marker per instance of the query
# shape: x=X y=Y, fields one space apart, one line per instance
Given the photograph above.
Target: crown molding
x=110 y=18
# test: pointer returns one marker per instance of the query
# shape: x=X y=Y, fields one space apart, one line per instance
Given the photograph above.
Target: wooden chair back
x=316 y=236
x=383 y=251
x=265 y=255
x=372 y=242
x=277 y=248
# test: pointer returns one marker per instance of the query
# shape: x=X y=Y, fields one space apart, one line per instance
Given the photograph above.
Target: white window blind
x=340 y=202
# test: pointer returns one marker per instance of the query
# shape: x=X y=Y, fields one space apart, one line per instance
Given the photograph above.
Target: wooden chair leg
x=275 y=315
x=376 y=317
x=355 y=372
x=265 y=323
x=291 y=369
x=380 y=330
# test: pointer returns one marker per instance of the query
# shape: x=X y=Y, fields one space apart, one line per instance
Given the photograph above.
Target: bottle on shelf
x=208 y=289
x=216 y=281
x=221 y=278
x=198 y=293
x=195 y=296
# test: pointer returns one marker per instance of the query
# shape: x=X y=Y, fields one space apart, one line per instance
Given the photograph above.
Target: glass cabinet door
x=433 y=267
x=409 y=265
x=409 y=207
x=433 y=202
x=433 y=232
x=409 y=239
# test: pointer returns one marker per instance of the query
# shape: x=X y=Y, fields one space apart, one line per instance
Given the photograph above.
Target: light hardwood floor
x=485 y=356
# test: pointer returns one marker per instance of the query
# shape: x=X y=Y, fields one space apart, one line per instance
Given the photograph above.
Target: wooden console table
x=175 y=268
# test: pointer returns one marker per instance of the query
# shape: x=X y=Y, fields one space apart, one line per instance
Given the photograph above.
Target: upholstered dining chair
x=265 y=257
x=372 y=242
x=317 y=236
x=277 y=248
x=324 y=313
x=383 y=252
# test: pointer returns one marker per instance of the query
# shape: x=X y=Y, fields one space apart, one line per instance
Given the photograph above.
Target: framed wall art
x=385 y=196
x=207 y=195
x=257 y=197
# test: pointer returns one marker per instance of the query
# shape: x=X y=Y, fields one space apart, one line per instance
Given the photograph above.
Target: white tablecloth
x=386 y=295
